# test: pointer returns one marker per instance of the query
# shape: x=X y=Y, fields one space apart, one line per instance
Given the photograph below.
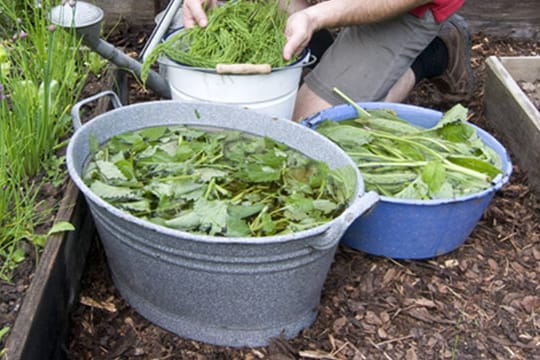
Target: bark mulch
x=479 y=301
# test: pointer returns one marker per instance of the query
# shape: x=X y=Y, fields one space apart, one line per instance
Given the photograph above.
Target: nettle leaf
x=309 y=173
x=155 y=156
x=184 y=152
x=186 y=221
x=93 y=144
x=236 y=148
x=275 y=159
x=207 y=174
x=170 y=148
x=189 y=133
x=160 y=189
x=244 y=211
x=127 y=138
x=320 y=175
x=140 y=206
x=213 y=215
x=153 y=133
x=147 y=153
x=111 y=192
x=269 y=227
x=127 y=142
x=126 y=168
x=326 y=206
x=175 y=188
x=299 y=206
x=434 y=175
x=110 y=171
x=258 y=173
x=237 y=227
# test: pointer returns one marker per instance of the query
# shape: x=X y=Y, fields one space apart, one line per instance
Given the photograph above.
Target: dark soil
x=480 y=301
x=532 y=90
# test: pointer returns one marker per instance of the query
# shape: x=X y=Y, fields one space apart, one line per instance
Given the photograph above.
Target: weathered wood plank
x=514 y=19
x=42 y=322
x=134 y=12
x=519 y=67
x=513 y=115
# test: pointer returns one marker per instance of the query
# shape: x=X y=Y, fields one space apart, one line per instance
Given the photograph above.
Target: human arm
x=329 y=14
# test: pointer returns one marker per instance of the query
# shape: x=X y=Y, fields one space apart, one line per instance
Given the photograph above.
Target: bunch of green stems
x=241 y=31
x=42 y=74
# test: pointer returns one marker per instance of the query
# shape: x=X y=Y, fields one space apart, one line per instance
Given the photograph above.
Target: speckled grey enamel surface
x=223 y=291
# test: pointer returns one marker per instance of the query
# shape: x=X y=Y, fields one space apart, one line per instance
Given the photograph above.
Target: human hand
x=298 y=31
x=194 y=12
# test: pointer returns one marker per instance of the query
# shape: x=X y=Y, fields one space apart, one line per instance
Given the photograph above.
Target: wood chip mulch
x=479 y=302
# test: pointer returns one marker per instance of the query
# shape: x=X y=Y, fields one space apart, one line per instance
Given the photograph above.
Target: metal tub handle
x=75 y=111
x=334 y=233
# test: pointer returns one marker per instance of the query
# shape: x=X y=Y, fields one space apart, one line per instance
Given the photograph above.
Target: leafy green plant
x=223 y=183
x=59 y=227
x=3 y=333
x=401 y=160
x=42 y=73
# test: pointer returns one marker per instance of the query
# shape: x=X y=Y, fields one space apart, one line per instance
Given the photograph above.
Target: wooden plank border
x=511 y=113
x=41 y=325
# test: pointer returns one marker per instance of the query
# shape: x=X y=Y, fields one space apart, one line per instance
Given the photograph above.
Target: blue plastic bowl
x=416 y=229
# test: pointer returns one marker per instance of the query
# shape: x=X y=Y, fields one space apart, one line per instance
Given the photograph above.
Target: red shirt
x=441 y=9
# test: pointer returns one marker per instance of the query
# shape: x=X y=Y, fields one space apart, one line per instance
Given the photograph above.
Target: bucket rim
x=347 y=111
x=358 y=197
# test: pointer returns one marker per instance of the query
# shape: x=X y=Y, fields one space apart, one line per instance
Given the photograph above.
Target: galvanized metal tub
x=224 y=291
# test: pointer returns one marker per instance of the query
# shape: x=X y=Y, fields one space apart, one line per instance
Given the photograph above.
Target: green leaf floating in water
x=223 y=183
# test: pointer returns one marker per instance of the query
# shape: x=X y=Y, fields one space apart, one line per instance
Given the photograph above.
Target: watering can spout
x=154 y=81
x=86 y=19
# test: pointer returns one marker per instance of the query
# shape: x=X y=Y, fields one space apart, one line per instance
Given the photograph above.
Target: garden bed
x=480 y=301
x=512 y=108
x=55 y=286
